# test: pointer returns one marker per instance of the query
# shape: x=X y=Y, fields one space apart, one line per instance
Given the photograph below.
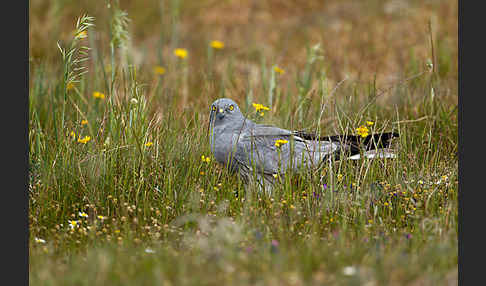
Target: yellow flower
x=363 y=131
x=84 y=140
x=84 y=122
x=339 y=177
x=73 y=135
x=148 y=144
x=280 y=142
x=369 y=123
x=180 y=53
x=205 y=159
x=83 y=214
x=159 y=70
x=217 y=45
x=100 y=217
x=278 y=70
x=69 y=86
x=259 y=107
x=98 y=94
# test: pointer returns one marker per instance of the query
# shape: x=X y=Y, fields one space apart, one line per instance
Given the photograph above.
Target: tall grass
x=147 y=210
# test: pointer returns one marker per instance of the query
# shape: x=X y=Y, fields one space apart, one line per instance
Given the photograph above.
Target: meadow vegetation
x=123 y=189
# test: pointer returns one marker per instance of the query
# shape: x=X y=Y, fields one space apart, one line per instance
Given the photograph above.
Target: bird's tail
x=374 y=145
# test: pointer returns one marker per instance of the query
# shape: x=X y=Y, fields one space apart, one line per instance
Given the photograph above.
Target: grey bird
x=260 y=153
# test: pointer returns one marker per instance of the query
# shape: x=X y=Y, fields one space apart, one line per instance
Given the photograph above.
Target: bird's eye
x=231 y=107
x=213 y=108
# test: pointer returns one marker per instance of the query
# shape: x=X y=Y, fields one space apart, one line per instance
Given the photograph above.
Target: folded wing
x=257 y=149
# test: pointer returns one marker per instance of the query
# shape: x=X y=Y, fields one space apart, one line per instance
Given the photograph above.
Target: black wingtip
x=355 y=142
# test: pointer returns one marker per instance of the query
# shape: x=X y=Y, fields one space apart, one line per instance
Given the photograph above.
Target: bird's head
x=224 y=110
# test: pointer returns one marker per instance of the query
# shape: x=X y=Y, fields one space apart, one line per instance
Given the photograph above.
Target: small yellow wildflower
x=275 y=175
x=159 y=70
x=278 y=70
x=217 y=45
x=84 y=140
x=100 y=217
x=369 y=123
x=73 y=135
x=180 y=53
x=98 y=94
x=339 y=177
x=70 y=86
x=84 y=122
x=363 y=131
x=259 y=107
x=280 y=142
x=205 y=159
x=148 y=144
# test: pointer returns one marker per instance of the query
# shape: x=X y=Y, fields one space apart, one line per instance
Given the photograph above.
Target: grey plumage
x=249 y=148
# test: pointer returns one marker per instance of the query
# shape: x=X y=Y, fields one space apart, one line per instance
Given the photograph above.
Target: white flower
x=134 y=100
x=149 y=250
x=349 y=270
x=73 y=224
x=83 y=214
x=39 y=240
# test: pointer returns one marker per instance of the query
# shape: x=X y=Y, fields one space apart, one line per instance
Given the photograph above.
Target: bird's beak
x=220 y=113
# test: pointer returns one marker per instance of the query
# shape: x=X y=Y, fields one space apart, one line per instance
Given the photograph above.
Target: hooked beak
x=220 y=113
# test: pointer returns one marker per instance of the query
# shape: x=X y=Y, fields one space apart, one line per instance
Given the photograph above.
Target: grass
x=159 y=214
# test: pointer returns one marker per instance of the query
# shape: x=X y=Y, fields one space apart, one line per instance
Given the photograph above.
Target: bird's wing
x=354 y=144
x=256 y=149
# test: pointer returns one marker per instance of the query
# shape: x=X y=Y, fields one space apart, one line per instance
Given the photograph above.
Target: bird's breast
x=222 y=145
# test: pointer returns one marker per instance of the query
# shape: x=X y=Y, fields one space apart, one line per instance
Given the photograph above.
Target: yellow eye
x=231 y=107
